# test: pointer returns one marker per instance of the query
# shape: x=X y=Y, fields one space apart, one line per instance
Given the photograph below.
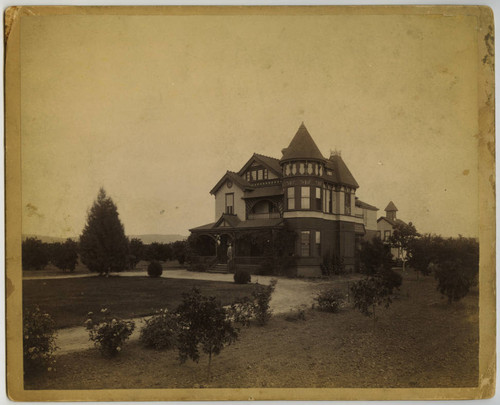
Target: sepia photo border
x=486 y=201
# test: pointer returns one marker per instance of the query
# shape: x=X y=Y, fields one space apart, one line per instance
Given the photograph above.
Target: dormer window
x=257 y=174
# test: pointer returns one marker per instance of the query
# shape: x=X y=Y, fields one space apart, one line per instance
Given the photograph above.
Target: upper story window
x=347 y=204
x=328 y=201
x=317 y=200
x=229 y=203
x=320 y=170
x=290 y=196
x=305 y=198
x=387 y=235
x=257 y=174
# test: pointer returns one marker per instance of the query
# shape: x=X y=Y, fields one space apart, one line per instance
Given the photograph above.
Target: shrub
x=374 y=256
x=391 y=280
x=242 y=311
x=454 y=281
x=203 y=321
x=39 y=335
x=330 y=300
x=372 y=292
x=242 y=277
x=108 y=334
x=160 y=331
x=262 y=297
x=332 y=265
x=155 y=269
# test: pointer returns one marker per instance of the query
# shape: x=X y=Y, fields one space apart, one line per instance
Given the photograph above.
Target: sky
x=155 y=109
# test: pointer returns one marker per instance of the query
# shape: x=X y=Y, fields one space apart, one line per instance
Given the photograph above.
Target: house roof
x=271 y=163
x=359 y=229
x=341 y=173
x=235 y=178
x=391 y=207
x=393 y=222
x=260 y=223
x=238 y=224
x=302 y=146
x=264 y=192
x=362 y=204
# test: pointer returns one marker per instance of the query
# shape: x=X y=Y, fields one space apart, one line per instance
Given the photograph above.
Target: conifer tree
x=103 y=244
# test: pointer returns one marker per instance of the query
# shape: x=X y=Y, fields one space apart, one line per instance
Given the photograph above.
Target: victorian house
x=313 y=196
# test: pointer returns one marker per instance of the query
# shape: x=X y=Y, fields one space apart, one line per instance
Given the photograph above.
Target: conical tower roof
x=302 y=147
x=390 y=207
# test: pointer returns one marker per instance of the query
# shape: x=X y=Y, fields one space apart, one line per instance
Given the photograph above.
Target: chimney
x=334 y=153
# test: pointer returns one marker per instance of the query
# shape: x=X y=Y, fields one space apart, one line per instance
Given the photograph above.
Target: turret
x=390 y=211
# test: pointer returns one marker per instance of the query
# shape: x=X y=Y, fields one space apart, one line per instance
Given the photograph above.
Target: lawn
x=420 y=341
x=69 y=300
x=51 y=270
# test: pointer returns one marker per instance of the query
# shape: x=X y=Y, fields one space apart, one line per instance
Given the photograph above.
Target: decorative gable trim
x=255 y=160
x=235 y=179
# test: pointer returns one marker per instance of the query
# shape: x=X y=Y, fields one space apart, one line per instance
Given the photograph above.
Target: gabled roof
x=271 y=163
x=341 y=173
x=391 y=207
x=231 y=219
x=362 y=204
x=238 y=180
x=302 y=147
x=391 y=221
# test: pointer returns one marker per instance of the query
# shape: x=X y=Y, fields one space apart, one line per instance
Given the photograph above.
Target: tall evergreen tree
x=103 y=244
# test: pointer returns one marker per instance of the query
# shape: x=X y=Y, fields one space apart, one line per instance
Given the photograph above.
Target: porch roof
x=264 y=192
x=249 y=224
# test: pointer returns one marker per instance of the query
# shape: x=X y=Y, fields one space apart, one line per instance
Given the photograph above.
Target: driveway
x=290 y=294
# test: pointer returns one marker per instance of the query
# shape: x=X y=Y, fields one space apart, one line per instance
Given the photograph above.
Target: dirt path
x=290 y=294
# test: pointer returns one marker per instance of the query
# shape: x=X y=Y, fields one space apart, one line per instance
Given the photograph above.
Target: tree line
x=454 y=262
x=102 y=246
x=36 y=255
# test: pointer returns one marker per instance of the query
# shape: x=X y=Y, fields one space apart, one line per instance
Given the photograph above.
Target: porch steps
x=219 y=268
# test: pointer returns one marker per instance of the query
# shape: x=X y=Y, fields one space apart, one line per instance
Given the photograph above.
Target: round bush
x=160 y=331
x=39 y=335
x=108 y=334
x=155 y=269
x=330 y=300
x=242 y=277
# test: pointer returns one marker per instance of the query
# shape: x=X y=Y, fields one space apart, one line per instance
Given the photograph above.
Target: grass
x=69 y=300
x=420 y=341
